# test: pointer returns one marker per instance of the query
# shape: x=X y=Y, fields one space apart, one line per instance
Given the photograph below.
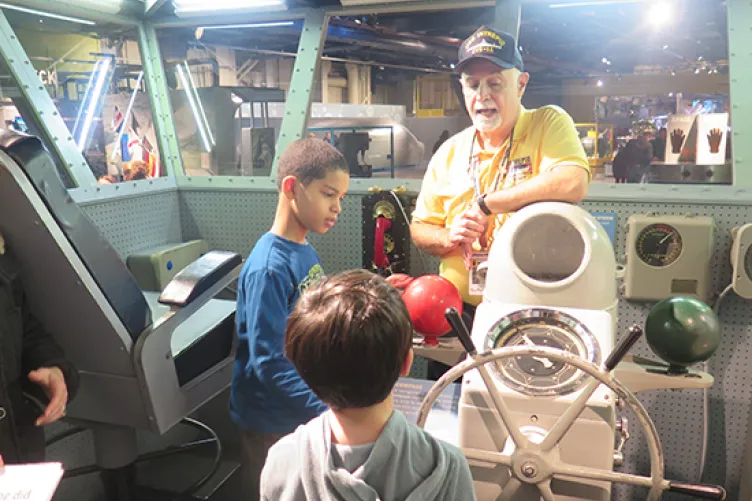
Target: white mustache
x=486 y=107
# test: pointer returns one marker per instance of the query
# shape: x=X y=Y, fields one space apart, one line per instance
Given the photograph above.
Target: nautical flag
x=133 y=148
x=155 y=166
x=117 y=119
x=125 y=154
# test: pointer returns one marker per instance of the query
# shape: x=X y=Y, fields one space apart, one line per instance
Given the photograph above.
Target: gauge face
x=533 y=375
x=659 y=245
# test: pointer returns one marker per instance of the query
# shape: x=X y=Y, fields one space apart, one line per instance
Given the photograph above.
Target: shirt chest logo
x=521 y=166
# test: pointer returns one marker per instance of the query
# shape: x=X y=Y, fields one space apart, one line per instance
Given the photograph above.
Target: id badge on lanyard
x=479 y=268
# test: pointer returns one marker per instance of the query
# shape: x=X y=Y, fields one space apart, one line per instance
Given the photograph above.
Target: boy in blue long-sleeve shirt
x=268 y=398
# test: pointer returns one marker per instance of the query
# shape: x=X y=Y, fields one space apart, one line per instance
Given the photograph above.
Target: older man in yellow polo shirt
x=510 y=157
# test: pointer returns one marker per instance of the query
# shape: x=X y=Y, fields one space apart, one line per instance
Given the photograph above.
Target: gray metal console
x=146 y=362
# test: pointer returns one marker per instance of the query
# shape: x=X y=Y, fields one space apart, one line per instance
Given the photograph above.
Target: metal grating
x=137 y=223
x=230 y=221
x=77 y=451
x=74 y=452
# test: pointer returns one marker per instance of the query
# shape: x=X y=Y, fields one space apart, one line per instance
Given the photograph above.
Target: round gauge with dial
x=534 y=375
x=659 y=245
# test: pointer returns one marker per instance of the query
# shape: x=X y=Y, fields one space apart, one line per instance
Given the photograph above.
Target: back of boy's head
x=349 y=336
x=308 y=159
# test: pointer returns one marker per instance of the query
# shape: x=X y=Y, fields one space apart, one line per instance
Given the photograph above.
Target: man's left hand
x=53 y=383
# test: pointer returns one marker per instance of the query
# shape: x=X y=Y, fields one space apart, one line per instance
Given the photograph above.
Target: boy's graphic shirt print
x=314 y=274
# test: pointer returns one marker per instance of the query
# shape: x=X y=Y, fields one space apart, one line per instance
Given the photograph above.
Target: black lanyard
x=502 y=168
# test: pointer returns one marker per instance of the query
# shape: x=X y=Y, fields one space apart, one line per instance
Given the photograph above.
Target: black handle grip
x=455 y=320
x=698 y=490
x=622 y=348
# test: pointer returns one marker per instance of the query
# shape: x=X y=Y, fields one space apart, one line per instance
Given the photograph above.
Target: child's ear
x=407 y=364
x=288 y=186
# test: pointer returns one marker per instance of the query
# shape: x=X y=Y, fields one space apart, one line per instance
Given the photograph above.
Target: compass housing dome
x=553 y=254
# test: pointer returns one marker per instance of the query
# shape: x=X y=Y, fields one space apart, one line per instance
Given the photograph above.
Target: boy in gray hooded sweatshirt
x=350 y=338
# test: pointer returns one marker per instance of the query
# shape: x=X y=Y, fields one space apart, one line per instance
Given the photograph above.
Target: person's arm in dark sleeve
x=39 y=349
x=267 y=296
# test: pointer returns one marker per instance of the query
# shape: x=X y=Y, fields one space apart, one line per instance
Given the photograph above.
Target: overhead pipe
x=404 y=45
x=421 y=45
x=336 y=59
x=426 y=46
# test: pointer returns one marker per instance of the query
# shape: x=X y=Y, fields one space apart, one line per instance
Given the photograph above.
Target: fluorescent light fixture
x=592 y=3
x=194 y=108
x=206 y=6
x=194 y=89
x=251 y=25
x=46 y=14
x=353 y=3
x=93 y=101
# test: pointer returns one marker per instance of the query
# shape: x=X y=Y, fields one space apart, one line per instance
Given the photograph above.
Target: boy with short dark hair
x=268 y=399
x=350 y=339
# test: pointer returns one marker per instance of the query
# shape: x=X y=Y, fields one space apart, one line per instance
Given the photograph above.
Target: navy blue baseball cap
x=495 y=46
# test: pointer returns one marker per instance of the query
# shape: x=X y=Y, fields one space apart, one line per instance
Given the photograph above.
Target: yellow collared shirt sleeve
x=430 y=207
x=561 y=142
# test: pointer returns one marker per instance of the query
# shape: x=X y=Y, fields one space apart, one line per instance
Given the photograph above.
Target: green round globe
x=682 y=331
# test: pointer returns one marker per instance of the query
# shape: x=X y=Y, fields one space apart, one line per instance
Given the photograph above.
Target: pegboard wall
x=679 y=414
x=137 y=223
x=234 y=220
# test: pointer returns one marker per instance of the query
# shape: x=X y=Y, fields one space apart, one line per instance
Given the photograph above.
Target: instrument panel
x=667 y=256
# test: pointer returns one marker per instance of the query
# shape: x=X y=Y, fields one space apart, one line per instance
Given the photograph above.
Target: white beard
x=484 y=124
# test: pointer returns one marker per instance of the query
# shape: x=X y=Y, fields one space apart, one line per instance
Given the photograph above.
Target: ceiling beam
x=151 y=7
x=68 y=9
x=248 y=16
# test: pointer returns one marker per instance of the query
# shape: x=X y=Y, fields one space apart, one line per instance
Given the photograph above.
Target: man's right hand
x=467 y=228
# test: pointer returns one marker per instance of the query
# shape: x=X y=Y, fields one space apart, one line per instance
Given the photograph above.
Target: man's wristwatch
x=482 y=204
